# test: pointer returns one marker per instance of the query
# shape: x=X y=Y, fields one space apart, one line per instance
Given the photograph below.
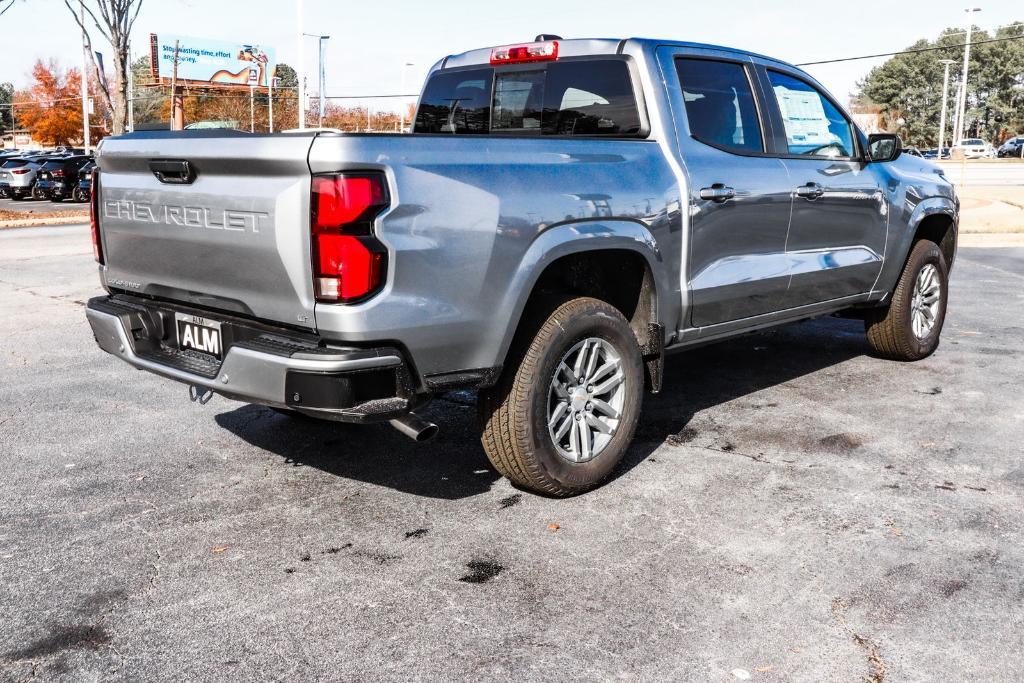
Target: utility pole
x=962 y=105
x=85 y=79
x=302 y=65
x=270 y=99
x=942 y=119
x=177 y=115
x=131 y=96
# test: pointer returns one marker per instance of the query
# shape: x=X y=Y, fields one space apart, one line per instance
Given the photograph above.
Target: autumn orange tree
x=51 y=109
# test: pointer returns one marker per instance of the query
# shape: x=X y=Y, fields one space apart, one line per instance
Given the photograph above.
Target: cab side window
x=814 y=126
x=720 y=106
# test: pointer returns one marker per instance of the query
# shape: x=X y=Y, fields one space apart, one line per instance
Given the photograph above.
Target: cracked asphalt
x=793 y=509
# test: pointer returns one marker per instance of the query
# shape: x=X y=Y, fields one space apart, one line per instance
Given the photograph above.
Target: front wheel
x=561 y=420
x=909 y=327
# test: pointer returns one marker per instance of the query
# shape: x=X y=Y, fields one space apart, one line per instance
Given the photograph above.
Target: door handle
x=173 y=171
x=718 y=193
x=810 y=191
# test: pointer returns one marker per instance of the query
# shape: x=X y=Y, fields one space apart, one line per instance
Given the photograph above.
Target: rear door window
x=720 y=106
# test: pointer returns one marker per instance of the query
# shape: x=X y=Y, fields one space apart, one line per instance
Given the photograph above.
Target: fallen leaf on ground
x=764 y=669
x=220 y=549
x=553 y=527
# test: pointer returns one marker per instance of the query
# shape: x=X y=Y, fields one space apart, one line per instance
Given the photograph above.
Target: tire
x=891 y=329
x=514 y=413
x=16 y=197
x=56 y=199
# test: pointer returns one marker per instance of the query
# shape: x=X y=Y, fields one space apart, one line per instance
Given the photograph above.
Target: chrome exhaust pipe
x=414 y=427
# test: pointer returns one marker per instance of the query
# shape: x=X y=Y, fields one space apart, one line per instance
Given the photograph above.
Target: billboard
x=212 y=61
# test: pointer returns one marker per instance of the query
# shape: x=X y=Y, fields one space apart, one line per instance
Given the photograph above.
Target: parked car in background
x=83 y=191
x=1014 y=147
x=976 y=148
x=18 y=177
x=913 y=151
x=936 y=154
x=58 y=178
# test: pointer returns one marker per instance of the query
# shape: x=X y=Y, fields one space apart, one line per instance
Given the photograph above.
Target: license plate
x=199 y=334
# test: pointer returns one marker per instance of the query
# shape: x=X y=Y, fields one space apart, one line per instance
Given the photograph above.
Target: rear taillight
x=349 y=263
x=20 y=171
x=57 y=173
x=527 y=52
x=94 y=216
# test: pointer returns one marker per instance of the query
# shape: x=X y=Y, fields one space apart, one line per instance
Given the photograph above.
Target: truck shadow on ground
x=453 y=465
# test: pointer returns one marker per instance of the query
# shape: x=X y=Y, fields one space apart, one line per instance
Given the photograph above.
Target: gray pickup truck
x=563 y=214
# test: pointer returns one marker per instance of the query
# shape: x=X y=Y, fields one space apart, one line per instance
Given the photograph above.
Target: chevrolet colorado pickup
x=563 y=214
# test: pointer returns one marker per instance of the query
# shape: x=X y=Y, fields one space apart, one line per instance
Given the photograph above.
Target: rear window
x=456 y=102
x=584 y=97
x=14 y=163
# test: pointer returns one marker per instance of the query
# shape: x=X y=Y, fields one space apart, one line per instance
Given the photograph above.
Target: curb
x=41 y=222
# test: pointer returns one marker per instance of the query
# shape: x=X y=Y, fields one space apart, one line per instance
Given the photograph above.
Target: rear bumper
x=274 y=367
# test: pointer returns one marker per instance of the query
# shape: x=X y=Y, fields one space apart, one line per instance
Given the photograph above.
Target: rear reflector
x=349 y=263
x=94 y=216
x=527 y=52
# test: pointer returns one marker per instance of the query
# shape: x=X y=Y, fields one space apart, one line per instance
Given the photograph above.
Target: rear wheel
x=909 y=327
x=560 y=420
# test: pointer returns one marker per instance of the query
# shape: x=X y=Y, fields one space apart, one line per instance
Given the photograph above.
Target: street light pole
x=945 y=93
x=323 y=78
x=302 y=66
x=401 y=113
x=962 y=105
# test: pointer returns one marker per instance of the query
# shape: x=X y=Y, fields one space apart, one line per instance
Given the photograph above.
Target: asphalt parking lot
x=793 y=509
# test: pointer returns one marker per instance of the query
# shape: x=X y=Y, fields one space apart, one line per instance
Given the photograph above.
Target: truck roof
x=576 y=47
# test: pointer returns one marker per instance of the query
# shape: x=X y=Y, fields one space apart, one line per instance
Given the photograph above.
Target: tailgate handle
x=172 y=171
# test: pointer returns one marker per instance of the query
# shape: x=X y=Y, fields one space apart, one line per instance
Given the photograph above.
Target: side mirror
x=884 y=147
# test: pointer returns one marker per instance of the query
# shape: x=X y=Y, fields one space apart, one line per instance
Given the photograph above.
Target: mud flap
x=653 y=353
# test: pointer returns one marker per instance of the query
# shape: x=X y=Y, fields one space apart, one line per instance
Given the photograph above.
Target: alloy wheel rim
x=924 y=305
x=585 y=400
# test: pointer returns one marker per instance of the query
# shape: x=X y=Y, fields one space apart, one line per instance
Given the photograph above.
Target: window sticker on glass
x=814 y=126
x=804 y=117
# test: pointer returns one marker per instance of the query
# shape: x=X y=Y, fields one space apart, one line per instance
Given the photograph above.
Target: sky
x=370 y=41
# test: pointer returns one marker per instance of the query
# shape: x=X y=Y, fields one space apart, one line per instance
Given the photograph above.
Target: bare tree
x=113 y=20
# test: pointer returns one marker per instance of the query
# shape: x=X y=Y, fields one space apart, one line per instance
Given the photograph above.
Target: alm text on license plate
x=199 y=334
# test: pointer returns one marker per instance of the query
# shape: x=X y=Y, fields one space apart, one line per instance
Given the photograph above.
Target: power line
x=911 y=51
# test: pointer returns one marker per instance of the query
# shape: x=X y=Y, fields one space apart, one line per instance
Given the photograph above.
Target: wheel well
x=939 y=228
x=618 y=276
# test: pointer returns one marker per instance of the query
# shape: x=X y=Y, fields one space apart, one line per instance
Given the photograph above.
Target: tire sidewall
x=612 y=328
x=922 y=256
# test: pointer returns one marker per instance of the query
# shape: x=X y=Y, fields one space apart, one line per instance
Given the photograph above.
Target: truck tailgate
x=219 y=221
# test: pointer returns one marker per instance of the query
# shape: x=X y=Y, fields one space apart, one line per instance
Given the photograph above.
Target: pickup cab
x=563 y=215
